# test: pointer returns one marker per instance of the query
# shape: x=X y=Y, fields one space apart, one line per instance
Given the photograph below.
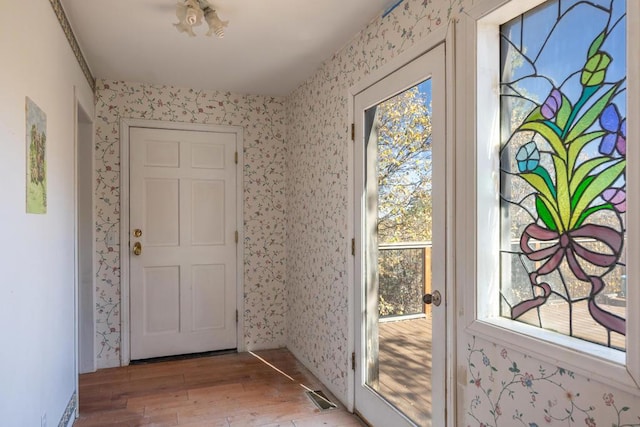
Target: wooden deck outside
x=405 y=367
x=226 y=390
x=557 y=318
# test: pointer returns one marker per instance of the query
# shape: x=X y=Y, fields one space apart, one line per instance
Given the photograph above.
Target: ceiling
x=270 y=46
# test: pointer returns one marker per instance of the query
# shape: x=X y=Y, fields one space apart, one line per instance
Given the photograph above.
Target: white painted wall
x=37 y=361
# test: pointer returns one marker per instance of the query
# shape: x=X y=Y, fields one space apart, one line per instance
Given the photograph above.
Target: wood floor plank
x=110 y=417
x=207 y=423
x=329 y=418
x=200 y=414
x=217 y=391
x=157 y=399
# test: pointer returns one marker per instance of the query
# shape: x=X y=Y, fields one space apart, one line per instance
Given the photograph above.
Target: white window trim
x=478 y=189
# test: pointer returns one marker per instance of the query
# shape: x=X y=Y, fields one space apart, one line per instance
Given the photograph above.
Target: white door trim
x=420 y=47
x=88 y=108
x=125 y=125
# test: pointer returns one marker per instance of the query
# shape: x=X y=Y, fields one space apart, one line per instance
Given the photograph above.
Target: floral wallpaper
x=263 y=120
x=507 y=388
x=317 y=192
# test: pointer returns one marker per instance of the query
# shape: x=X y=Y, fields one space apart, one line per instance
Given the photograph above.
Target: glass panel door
x=401 y=211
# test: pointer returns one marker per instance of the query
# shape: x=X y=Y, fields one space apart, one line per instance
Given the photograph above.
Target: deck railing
x=404 y=274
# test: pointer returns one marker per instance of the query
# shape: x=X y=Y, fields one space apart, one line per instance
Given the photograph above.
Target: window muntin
x=562 y=160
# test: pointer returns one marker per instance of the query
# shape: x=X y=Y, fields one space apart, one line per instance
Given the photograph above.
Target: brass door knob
x=137 y=248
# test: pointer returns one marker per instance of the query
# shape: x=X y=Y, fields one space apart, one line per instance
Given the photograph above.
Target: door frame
x=84 y=132
x=87 y=107
x=445 y=36
x=125 y=125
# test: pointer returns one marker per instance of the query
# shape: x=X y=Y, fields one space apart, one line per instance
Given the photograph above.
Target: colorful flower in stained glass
x=617 y=197
x=528 y=157
x=616 y=137
x=595 y=69
x=551 y=105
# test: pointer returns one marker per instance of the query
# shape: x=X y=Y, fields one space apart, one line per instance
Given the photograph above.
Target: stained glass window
x=562 y=159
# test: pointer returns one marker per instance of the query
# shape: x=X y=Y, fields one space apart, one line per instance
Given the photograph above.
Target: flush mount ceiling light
x=190 y=14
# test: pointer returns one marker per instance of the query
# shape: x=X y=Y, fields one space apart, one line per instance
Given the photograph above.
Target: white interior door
x=182 y=242
x=401 y=356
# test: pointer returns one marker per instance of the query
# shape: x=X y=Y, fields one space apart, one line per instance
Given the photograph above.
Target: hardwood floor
x=262 y=389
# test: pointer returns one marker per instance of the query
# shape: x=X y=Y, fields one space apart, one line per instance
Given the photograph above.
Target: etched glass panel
x=562 y=183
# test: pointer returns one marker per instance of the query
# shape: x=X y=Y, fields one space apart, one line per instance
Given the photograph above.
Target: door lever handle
x=137 y=248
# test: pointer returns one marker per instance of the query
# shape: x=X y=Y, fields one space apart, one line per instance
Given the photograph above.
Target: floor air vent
x=321 y=400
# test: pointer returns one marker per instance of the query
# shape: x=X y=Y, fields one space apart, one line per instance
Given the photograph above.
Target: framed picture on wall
x=36 y=140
